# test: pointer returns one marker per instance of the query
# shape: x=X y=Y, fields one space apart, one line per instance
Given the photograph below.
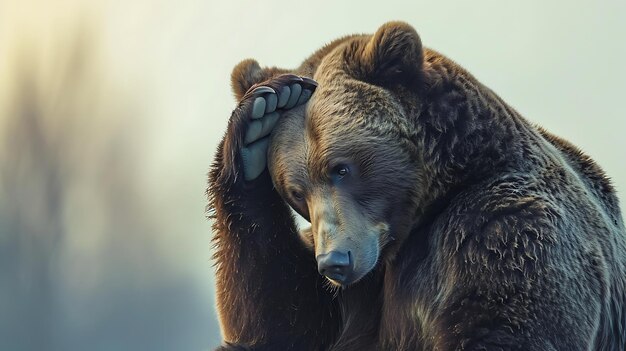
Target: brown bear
x=441 y=219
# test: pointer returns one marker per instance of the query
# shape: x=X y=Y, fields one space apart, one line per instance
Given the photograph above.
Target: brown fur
x=492 y=234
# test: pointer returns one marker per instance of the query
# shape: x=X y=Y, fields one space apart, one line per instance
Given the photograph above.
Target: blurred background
x=110 y=112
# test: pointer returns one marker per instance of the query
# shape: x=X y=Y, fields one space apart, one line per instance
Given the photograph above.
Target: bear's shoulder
x=503 y=225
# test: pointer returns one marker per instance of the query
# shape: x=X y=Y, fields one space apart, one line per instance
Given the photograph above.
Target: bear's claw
x=270 y=99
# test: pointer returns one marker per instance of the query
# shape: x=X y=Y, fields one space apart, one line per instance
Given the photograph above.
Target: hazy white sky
x=559 y=63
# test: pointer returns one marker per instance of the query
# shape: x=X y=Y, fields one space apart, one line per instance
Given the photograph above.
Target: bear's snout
x=336 y=265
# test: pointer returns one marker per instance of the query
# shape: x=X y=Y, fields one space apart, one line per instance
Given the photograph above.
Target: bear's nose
x=335 y=265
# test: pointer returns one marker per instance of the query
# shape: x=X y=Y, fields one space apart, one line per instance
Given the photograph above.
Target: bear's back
x=556 y=217
x=600 y=215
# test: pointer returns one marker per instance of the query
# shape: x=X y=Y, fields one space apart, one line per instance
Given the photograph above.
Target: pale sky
x=167 y=64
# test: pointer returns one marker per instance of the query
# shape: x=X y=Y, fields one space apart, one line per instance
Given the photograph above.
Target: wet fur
x=516 y=241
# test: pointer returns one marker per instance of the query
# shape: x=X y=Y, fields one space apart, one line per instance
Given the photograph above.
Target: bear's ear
x=393 y=55
x=247 y=73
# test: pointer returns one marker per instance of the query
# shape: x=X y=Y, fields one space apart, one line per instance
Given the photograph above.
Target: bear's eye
x=297 y=195
x=341 y=171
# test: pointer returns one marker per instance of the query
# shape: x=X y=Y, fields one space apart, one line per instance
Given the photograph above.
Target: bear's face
x=347 y=163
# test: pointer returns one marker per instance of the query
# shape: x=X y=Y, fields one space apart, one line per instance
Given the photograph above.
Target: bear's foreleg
x=269 y=294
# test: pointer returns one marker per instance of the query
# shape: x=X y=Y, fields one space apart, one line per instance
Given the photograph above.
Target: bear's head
x=347 y=161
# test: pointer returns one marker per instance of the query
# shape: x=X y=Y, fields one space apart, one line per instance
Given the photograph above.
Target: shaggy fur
x=500 y=236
